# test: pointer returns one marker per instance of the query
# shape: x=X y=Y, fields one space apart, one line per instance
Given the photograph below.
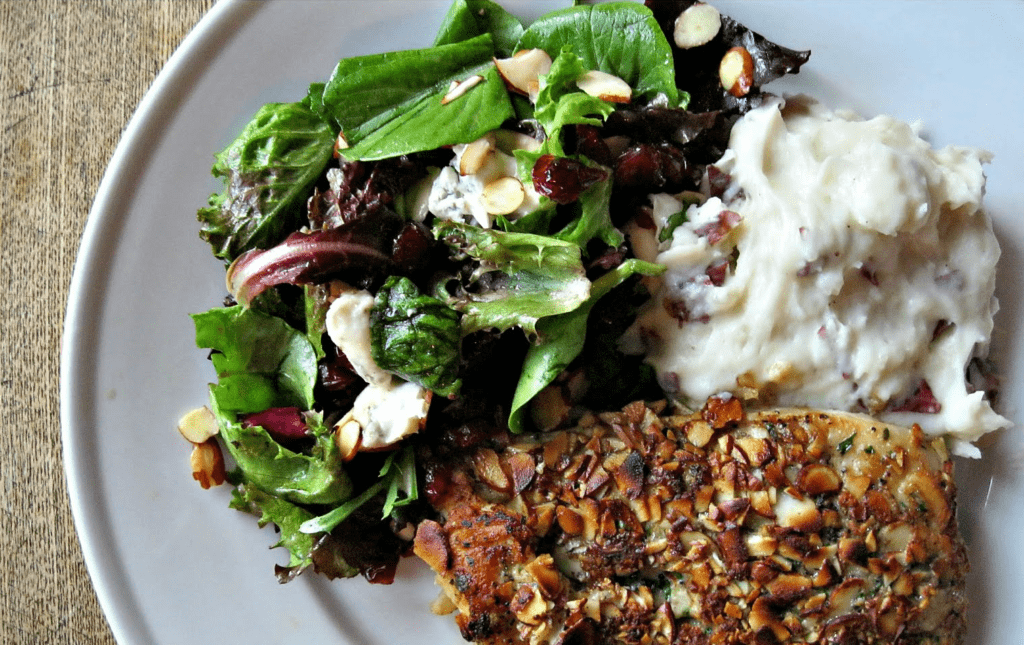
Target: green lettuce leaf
x=561 y=339
x=415 y=336
x=261 y=361
x=314 y=478
x=621 y=38
x=396 y=479
x=286 y=517
x=268 y=172
x=469 y=18
x=315 y=306
x=528 y=277
x=560 y=102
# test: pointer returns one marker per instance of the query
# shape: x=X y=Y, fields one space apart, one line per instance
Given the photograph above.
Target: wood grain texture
x=71 y=75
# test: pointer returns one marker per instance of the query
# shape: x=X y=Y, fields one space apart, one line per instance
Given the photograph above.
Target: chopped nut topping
x=749 y=516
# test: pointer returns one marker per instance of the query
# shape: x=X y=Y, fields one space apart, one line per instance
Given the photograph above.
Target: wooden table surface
x=71 y=75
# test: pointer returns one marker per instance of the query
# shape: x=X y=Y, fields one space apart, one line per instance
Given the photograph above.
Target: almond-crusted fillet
x=781 y=526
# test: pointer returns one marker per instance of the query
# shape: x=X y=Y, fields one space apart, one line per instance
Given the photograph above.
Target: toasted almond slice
x=348 y=436
x=459 y=89
x=489 y=471
x=525 y=67
x=207 y=464
x=475 y=155
x=503 y=196
x=508 y=141
x=736 y=71
x=533 y=91
x=605 y=86
x=198 y=425
x=340 y=143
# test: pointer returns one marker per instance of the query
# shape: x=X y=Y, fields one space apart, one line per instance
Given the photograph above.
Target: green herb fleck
x=846 y=444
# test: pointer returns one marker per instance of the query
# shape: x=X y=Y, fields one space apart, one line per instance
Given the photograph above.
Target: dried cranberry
x=717 y=230
x=412 y=248
x=922 y=400
x=716 y=272
x=651 y=167
x=437 y=482
x=590 y=144
x=718 y=181
x=563 y=179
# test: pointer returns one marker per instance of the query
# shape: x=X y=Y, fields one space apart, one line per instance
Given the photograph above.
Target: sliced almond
x=442 y=605
x=488 y=469
x=528 y=605
x=817 y=479
x=198 y=425
x=207 y=464
x=475 y=155
x=736 y=71
x=543 y=570
x=503 y=196
x=569 y=520
x=533 y=91
x=523 y=68
x=509 y=141
x=548 y=409
x=696 y=26
x=605 y=86
x=341 y=143
x=460 y=88
x=348 y=435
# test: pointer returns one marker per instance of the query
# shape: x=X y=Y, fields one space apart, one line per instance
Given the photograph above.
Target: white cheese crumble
x=388 y=413
x=460 y=198
x=847 y=265
x=348 y=326
x=388 y=408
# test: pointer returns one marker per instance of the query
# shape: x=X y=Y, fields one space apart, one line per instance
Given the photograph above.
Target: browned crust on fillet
x=722 y=527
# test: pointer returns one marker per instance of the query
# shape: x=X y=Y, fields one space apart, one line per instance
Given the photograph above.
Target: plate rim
x=88 y=285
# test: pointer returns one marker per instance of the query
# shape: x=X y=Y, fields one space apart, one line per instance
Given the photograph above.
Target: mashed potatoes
x=847 y=265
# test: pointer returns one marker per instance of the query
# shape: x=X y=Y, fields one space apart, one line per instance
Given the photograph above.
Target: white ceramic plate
x=172 y=564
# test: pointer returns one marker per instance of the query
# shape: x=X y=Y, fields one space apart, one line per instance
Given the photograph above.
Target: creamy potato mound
x=846 y=265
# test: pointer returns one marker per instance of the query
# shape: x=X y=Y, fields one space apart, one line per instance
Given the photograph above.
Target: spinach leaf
x=427 y=123
x=415 y=336
x=469 y=18
x=621 y=38
x=561 y=339
x=367 y=91
x=268 y=172
x=315 y=478
x=391 y=104
x=520 y=278
x=261 y=361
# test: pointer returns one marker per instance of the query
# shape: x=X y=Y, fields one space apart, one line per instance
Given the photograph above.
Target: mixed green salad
x=468 y=203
